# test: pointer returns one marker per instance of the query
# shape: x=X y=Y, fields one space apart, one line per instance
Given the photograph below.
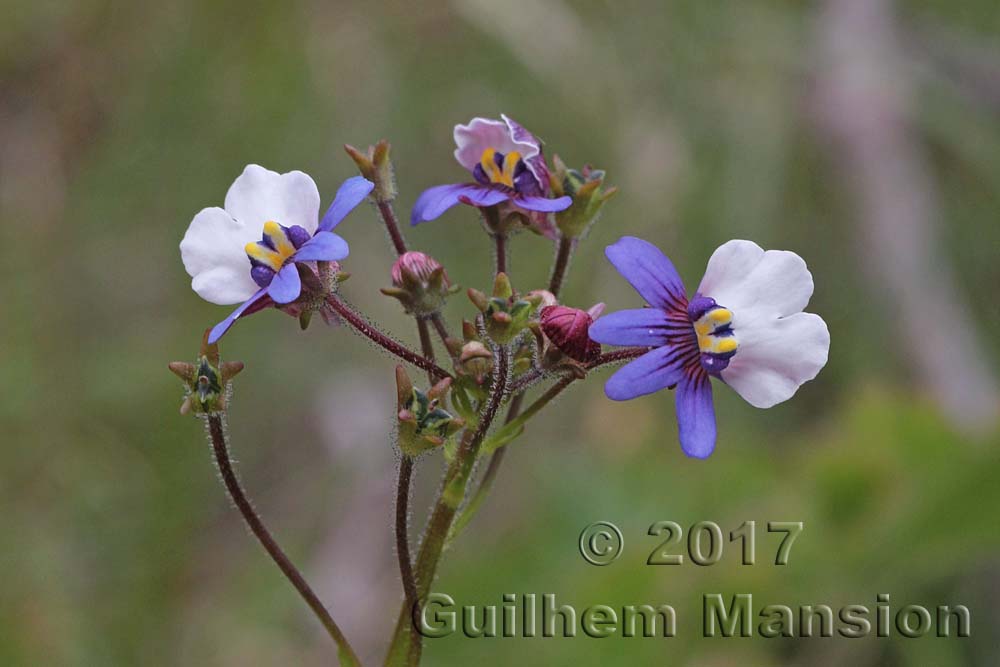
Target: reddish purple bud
x=416 y=267
x=419 y=282
x=566 y=328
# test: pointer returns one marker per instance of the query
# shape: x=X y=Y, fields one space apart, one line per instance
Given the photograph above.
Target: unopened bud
x=476 y=360
x=419 y=282
x=376 y=166
x=566 y=328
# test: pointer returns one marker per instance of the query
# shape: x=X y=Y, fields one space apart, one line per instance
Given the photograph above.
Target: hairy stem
x=486 y=483
x=501 y=252
x=449 y=499
x=564 y=250
x=402 y=517
x=217 y=432
x=392 y=226
x=615 y=356
x=441 y=328
x=359 y=324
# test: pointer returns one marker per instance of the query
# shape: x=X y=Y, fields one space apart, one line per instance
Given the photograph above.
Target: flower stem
x=403 y=513
x=441 y=328
x=388 y=214
x=623 y=354
x=486 y=483
x=449 y=499
x=389 y=344
x=501 y=252
x=564 y=250
x=217 y=432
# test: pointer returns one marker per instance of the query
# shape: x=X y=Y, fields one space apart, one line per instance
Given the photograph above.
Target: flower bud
x=585 y=187
x=423 y=423
x=476 y=361
x=505 y=314
x=206 y=382
x=566 y=329
x=419 y=282
x=376 y=166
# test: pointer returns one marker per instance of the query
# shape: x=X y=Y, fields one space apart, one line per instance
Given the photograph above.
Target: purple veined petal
x=324 y=247
x=649 y=271
x=696 y=415
x=351 y=193
x=435 y=201
x=286 y=285
x=653 y=371
x=222 y=327
x=543 y=204
x=644 y=327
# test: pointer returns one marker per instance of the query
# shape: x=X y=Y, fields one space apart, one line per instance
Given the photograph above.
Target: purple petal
x=543 y=203
x=324 y=247
x=647 y=327
x=223 y=326
x=651 y=372
x=435 y=201
x=286 y=285
x=351 y=193
x=696 y=415
x=649 y=271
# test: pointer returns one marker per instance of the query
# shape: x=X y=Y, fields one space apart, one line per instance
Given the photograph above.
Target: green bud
x=207 y=381
x=376 y=166
x=423 y=423
x=585 y=188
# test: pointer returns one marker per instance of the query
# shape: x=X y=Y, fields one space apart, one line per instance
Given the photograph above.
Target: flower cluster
x=744 y=325
x=267 y=246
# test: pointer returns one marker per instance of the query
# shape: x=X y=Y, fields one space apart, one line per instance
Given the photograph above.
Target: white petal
x=260 y=195
x=482 y=133
x=213 y=255
x=741 y=276
x=776 y=356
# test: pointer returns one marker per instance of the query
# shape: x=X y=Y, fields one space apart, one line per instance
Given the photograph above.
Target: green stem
x=486 y=483
x=217 y=431
x=449 y=499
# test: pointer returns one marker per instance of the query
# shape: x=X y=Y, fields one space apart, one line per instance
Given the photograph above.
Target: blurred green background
x=862 y=134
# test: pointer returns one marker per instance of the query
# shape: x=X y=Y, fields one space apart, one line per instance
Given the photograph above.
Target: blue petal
x=543 y=204
x=696 y=415
x=435 y=201
x=649 y=271
x=286 y=285
x=222 y=327
x=351 y=193
x=651 y=372
x=324 y=247
x=645 y=327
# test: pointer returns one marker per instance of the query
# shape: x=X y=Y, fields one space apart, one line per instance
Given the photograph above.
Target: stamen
x=715 y=333
x=274 y=249
x=499 y=168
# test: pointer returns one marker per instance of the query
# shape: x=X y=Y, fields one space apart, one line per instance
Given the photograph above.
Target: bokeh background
x=862 y=134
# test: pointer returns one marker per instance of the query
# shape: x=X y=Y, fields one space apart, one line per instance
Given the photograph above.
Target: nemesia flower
x=227 y=263
x=744 y=325
x=507 y=164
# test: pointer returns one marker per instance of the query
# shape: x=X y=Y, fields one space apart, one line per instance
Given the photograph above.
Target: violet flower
x=507 y=164
x=744 y=325
x=228 y=264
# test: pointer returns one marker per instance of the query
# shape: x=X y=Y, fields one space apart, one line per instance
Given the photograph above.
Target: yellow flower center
x=280 y=249
x=503 y=173
x=712 y=321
